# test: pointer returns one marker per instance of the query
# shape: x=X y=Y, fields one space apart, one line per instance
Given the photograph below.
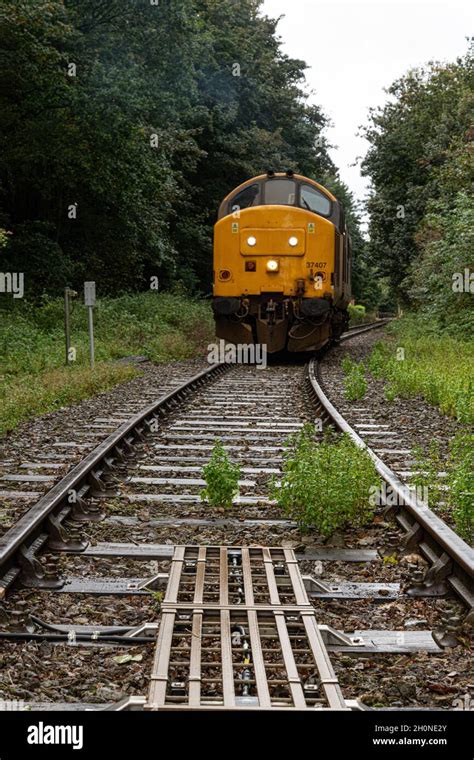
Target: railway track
x=224 y=611
x=451 y=559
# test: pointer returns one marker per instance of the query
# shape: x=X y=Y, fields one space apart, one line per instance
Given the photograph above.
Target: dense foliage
x=123 y=124
x=441 y=284
x=420 y=165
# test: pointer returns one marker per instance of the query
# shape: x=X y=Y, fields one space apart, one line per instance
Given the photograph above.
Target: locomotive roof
x=336 y=216
x=283 y=175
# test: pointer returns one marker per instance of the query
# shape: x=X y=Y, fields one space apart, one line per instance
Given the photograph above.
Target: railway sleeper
x=105 y=585
x=357 y=643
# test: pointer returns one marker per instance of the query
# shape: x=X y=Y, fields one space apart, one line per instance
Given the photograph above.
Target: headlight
x=293 y=241
x=272 y=265
x=251 y=240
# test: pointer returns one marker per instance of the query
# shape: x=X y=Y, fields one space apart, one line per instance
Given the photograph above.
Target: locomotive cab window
x=249 y=196
x=313 y=200
x=280 y=192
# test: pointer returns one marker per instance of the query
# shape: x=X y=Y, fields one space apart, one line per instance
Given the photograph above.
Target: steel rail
x=359 y=329
x=442 y=535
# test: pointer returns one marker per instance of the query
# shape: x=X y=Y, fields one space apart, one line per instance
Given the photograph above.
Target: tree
x=365 y=286
x=124 y=124
x=412 y=141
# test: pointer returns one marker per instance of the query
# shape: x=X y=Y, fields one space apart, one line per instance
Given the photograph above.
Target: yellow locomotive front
x=282 y=260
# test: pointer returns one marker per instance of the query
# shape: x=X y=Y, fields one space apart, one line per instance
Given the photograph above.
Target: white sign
x=89 y=293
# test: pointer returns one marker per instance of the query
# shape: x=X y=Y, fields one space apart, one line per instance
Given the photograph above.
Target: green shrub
x=355 y=384
x=327 y=485
x=377 y=360
x=346 y=364
x=390 y=393
x=222 y=478
x=356 y=314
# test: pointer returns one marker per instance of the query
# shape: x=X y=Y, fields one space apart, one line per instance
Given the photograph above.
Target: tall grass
x=439 y=368
x=33 y=378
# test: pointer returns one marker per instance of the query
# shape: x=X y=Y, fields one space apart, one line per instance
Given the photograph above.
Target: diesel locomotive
x=282 y=264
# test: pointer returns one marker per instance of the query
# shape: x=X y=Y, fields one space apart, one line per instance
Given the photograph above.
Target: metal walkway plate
x=104 y=586
x=381 y=592
x=153 y=551
x=238 y=631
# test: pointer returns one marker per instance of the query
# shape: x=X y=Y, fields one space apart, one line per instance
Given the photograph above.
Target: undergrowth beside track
x=449 y=483
x=33 y=378
x=439 y=368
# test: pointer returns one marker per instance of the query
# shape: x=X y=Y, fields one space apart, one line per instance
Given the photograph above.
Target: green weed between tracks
x=222 y=478
x=355 y=384
x=325 y=485
x=33 y=378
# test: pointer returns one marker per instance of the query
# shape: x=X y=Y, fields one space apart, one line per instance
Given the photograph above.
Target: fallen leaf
x=121 y=658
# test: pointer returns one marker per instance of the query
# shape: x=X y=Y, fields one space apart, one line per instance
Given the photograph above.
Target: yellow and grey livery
x=282 y=264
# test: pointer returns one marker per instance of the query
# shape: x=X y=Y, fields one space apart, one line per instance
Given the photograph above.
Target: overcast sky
x=355 y=49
